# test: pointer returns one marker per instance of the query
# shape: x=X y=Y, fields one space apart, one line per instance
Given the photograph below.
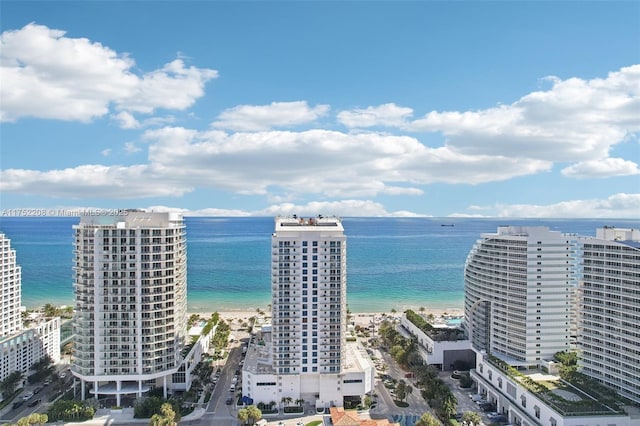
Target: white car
x=27 y=396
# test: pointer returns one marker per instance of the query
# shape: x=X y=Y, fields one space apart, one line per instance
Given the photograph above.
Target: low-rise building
x=533 y=396
x=200 y=334
x=440 y=352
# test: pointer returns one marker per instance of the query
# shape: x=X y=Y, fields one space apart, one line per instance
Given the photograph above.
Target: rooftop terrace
x=578 y=395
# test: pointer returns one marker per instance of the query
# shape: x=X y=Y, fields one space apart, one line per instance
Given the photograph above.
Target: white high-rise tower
x=309 y=307
x=131 y=299
x=10 y=317
x=609 y=309
x=519 y=293
x=303 y=353
x=21 y=347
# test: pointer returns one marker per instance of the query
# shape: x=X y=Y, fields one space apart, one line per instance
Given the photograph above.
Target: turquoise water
x=393 y=263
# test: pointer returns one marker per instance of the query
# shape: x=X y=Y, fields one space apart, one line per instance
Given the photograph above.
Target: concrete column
x=82 y=389
x=164 y=386
x=139 y=388
x=95 y=390
x=118 y=386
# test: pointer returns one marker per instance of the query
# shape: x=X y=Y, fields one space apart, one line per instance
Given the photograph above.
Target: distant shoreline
x=362 y=318
x=246 y=313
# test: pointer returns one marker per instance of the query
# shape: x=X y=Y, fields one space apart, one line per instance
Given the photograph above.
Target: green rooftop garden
x=436 y=334
x=591 y=397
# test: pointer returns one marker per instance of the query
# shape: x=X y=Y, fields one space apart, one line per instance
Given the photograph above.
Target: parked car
x=37 y=390
x=16 y=404
x=46 y=383
x=229 y=401
x=34 y=402
x=27 y=396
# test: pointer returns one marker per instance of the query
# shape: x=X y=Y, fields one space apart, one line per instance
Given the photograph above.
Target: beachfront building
x=609 y=309
x=130 y=321
x=533 y=396
x=442 y=345
x=10 y=316
x=520 y=286
x=21 y=346
x=200 y=335
x=303 y=354
x=518 y=305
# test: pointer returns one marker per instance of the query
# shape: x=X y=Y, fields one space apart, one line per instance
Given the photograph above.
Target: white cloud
x=327 y=163
x=174 y=86
x=48 y=75
x=115 y=182
x=326 y=208
x=616 y=206
x=126 y=120
x=602 y=168
x=265 y=117
x=106 y=152
x=131 y=148
x=382 y=115
x=575 y=120
x=341 y=208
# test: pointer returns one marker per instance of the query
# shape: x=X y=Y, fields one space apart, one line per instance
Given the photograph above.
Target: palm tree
x=408 y=390
x=253 y=414
x=243 y=415
x=427 y=419
x=448 y=406
x=401 y=391
x=8 y=385
x=471 y=418
x=167 y=416
x=51 y=310
x=299 y=401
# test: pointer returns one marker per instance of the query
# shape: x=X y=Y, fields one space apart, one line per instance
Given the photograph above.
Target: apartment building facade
x=130 y=323
x=609 y=309
x=306 y=355
x=520 y=287
x=21 y=347
x=11 y=274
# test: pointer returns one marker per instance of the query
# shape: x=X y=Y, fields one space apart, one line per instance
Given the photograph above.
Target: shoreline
x=359 y=318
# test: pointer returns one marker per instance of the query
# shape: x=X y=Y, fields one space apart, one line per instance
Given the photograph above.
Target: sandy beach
x=361 y=319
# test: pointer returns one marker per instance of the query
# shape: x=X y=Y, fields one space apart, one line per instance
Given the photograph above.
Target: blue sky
x=515 y=109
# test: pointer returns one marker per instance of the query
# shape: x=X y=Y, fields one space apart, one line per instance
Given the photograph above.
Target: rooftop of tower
x=125 y=219
x=295 y=221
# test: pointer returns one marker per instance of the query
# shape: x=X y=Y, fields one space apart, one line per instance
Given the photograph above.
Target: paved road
x=46 y=394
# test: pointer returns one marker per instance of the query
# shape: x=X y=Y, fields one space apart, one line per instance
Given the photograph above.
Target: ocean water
x=392 y=263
